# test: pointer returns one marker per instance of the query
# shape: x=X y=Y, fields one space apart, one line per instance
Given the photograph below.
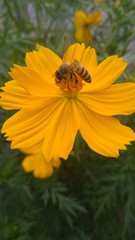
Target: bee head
x=58 y=75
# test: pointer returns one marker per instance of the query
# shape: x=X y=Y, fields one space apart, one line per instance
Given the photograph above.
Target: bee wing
x=74 y=64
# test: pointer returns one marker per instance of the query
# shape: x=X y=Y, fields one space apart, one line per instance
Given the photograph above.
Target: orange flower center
x=69 y=78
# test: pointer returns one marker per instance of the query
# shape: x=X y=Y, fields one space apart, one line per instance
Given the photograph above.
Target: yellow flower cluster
x=117 y=2
x=83 y=24
x=55 y=98
x=35 y=162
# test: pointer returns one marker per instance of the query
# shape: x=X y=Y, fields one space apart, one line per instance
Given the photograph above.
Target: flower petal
x=34 y=83
x=43 y=61
x=105 y=135
x=116 y=100
x=37 y=164
x=32 y=150
x=80 y=19
x=55 y=163
x=28 y=126
x=95 y=18
x=105 y=74
x=83 y=35
x=14 y=96
x=87 y=57
x=75 y=51
x=63 y=128
x=50 y=59
x=29 y=163
x=43 y=170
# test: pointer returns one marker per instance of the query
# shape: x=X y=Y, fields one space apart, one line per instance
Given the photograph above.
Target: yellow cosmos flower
x=36 y=163
x=83 y=24
x=98 y=1
x=55 y=99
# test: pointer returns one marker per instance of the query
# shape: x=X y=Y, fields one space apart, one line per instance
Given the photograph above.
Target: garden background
x=89 y=197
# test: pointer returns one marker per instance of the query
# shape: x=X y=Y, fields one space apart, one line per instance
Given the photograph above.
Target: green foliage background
x=90 y=197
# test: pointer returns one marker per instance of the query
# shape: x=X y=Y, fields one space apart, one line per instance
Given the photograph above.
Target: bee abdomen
x=88 y=78
x=83 y=73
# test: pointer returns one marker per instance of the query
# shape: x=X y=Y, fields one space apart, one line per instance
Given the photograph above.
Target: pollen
x=68 y=81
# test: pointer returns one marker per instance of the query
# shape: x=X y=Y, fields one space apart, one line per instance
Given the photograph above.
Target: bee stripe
x=88 y=78
x=81 y=70
x=84 y=73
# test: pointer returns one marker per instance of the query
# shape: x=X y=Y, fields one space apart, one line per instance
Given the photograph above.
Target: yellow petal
x=105 y=74
x=34 y=83
x=50 y=59
x=36 y=163
x=32 y=150
x=29 y=164
x=55 y=163
x=75 y=51
x=83 y=35
x=43 y=61
x=80 y=19
x=105 y=135
x=28 y=126
x=116 y=100
x=44 y=169
x=95 y=18
x=34 y=62
x=14 y=96
x=87 y=57
x=59 y=138
x=79 y=35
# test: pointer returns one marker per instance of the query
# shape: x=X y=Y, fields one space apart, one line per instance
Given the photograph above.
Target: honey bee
x=75 y=69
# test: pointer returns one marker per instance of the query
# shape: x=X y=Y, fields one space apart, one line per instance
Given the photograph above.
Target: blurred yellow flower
x=35 y=162
x=55 y=99
x=98 y=1
x=83 y=24
x=117 y=3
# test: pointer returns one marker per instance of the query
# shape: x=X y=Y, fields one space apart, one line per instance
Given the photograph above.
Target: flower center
x=69 y=78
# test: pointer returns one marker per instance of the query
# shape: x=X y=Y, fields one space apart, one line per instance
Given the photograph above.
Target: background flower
x=83 y=24
x=98 y=1
x=36 y=163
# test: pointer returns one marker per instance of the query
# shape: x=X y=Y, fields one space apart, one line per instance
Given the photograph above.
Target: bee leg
x=71 y=75
x=75 y=77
